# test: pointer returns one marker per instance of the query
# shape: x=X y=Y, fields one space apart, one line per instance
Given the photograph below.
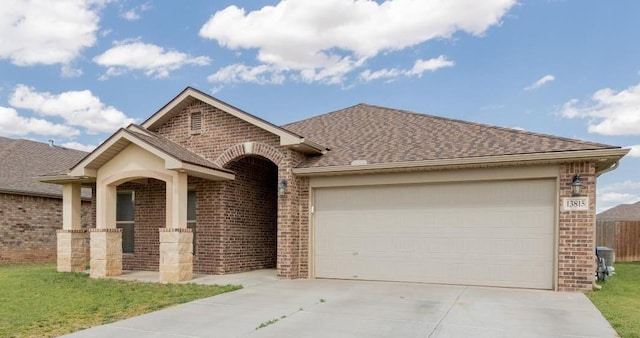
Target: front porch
x=159 y=208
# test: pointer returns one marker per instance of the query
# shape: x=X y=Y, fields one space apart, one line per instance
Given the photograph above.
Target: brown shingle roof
x=173 y=149
x=622 y=212
x=22 y=160
x=385 y=135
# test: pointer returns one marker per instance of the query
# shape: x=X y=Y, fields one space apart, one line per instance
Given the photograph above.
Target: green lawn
x=619 y=299
x=37 y=301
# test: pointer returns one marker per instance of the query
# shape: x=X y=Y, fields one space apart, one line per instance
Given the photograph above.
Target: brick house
x=31 y=211
x=365 y=192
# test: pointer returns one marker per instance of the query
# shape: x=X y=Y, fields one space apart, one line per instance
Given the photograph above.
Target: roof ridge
x=506 y=129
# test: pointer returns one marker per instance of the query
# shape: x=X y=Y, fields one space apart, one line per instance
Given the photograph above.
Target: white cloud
x=47 y=32
x=236 y=73
x=635 y=151
x=609 y=112
x=385 y=73
x=618 y=197
x=76 y=108
x=69 y=71
x=12 y=124
x=106 y=32
x=541 y=82
x=130 y=15
x=431 y=65
x=133 y=14
x=79 y=146
x=618 y=186
x=613 y=194
x=153 y=60
x=323 y=41
x=419 y=67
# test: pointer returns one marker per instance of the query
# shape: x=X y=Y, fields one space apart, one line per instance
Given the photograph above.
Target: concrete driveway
x=333 y=308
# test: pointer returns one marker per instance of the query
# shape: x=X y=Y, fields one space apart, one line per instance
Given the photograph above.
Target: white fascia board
x=457 y=162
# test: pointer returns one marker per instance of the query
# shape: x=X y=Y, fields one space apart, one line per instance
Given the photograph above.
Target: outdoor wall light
x=576 y=185
x=282 y=188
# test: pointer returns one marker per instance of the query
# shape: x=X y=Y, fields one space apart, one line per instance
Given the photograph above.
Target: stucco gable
x=173 y=156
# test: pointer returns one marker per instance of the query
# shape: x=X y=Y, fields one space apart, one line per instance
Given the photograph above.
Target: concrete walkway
x=334 y=308
x=246 y=279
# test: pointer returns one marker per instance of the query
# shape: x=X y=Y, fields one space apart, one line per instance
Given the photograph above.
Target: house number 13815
x=575 y=203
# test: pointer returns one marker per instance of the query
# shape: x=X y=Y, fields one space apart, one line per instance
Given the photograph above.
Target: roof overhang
x=37 y=194
x=65 y=178
x=86 y=170
x=604 y=158
x=190 y=95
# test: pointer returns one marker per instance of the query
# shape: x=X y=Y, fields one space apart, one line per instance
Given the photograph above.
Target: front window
x=191 y=215
x=125 y=219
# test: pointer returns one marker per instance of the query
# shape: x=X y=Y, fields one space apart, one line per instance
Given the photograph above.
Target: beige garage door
x=498 y=233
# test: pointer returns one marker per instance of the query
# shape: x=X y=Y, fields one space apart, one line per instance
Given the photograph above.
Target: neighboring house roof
x=383 y=135
x=22 y=160
x=622 y=212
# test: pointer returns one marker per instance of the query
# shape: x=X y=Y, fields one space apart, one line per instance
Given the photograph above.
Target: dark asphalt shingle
x=173 y=149
x=22 y=160
x=622 y=212
x=384 y=135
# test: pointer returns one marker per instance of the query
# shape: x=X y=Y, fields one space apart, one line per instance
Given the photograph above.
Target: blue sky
x=76 y=70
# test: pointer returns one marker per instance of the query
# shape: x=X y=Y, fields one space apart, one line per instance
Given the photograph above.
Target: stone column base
x=71 y=250
x=176 y=255
x=106 y=252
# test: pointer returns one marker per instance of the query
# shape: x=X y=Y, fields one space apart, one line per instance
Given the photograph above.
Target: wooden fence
x=621 y=236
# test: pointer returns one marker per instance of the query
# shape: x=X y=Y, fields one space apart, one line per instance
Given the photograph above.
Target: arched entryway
x=250 y=217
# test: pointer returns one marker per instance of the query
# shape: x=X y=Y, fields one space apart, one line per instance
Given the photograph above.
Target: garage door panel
x=463 y=271
x=383 y=233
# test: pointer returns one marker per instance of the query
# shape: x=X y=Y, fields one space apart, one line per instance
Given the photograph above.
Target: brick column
x=576 y=235
x=71 y=238
x=176 y=255
x=291 y=220
x=71 y=250
x=106 y=252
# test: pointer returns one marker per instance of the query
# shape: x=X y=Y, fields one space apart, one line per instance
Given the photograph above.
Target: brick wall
x=220 y=131
x=576 y=236
x=28 y=227
x=249 y=216
x=209 y=249
x=220 y=246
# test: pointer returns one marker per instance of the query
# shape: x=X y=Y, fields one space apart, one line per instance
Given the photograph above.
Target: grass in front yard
x=37 y=301
x=619 y=299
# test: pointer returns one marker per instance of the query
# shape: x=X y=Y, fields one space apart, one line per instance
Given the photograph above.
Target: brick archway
x=251 y=200
x=250 y=148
